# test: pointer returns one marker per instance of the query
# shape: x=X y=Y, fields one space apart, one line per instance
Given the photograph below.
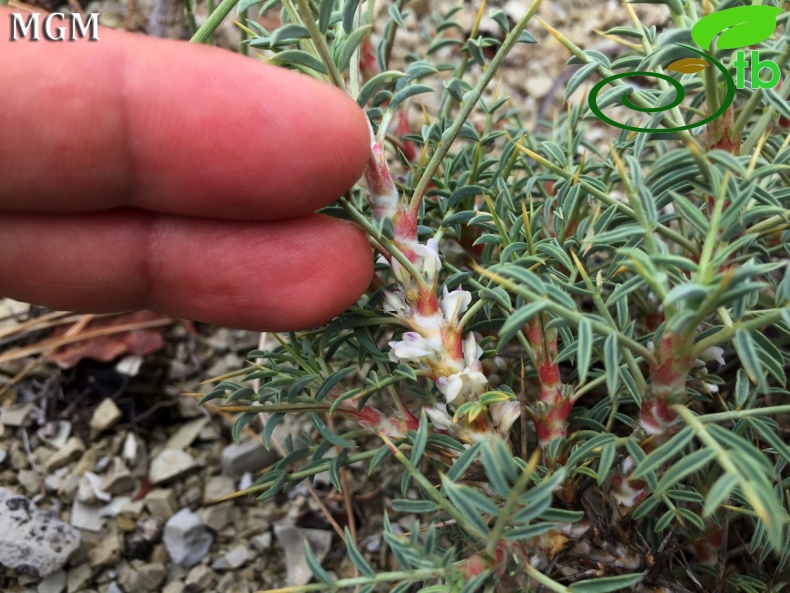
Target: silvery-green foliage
x=629 y=307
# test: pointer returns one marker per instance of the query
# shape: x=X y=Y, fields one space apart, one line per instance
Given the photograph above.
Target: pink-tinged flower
x=454 y=304
x=469 y=381
x=413 y=347
x=504 y=414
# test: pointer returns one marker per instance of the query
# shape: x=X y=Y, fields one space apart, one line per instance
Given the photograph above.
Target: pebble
x=107 y=552
x=55 y=434
x=187 y=434
x=217 y=516
x=217 y=487
x=187 y=538
x=70 y=452
x=32 y=541
x=15 y=416
x=78 y=577
x=90 y=491
x=105 y=416
x=292 y=540
x=174 y=587
x=234 y=558
x=247 y=456
x=84 y=516
x=118 y=479
x=161 y=503
x=141 y=578
x=199 y=578
x=54 y=583
x=263 y=541
x=30 y=480
x=169 y=465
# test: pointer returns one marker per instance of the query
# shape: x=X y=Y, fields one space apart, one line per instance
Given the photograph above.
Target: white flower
x=413 y=347
x=429 y=253
x=439 y=416
x=504 y=414
x=394 y=302
x=464 y=383
x=712 y=388
x=713 y=353
x=472 y=352
x=454 y=303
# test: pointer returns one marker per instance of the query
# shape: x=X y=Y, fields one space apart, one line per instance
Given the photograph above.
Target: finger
x=169 y=126
x=269 y=276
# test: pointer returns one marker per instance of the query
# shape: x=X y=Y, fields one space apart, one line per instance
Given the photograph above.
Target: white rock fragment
x=70 y=452
x=247 y=456
x=169 y=465
x=105 y=416
x=186 y=538
x=187 y=434
x=292 y=539
x=32 y=541
x=16 y=416
x=161 y=503
x=54 y=583
x=234 y=558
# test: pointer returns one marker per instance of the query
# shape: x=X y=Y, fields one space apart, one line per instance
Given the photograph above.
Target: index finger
x=168 y=126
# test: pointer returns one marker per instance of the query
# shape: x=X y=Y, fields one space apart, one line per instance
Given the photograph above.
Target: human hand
x=143 y=173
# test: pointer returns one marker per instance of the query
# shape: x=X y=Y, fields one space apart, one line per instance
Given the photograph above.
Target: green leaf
x=356 y=556
x=349 y=9
x=687 y=465
x=377 y=83
x=420 y=440
x=242 y=421
x=605 y=584
x=747 y=353
x=404 y=505
x=663 y=454
x=271 y=424
x=408 y=92
x=463 y=462
x=328 y=434
x=517 y=320
x=584 y=349
x=297 y=57
x=739 y=27
x=324 y=13
x=611 y=362
x=331 y=381
x=315 y=565
x=719 y=493
x=607 y=459
x=528 y=531
x=349 y=45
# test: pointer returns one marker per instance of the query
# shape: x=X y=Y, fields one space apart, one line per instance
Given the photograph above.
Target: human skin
x=139 y=173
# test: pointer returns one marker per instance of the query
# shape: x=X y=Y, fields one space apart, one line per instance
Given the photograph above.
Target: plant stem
x=467 y=106
x=204 y=34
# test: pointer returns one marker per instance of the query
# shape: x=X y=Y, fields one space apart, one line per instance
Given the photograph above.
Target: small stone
x=106 y=415
x=234 y=558
x=209 y=433
x=108 y=552
x=263 y=541
x=78 y=577
x=217 y=487
x=248 y=456
x=217 y=516
x=292 y=539
x=118 y=479
x=161 y=503
x=55 y=434
x=54 y=583
x=141 y=579
x=170 y=464
x=84 y=516
x=70 y=452
x=187 y=538
x=32 y=541
x=90 y=491
x=147 y=533
x=174 y=587
x=131 y=450
x=133 y=508
x=30 y=480
x=16 y=416
x=54 y=481
x=19 y=458
x=199 y=578
x=187 y=434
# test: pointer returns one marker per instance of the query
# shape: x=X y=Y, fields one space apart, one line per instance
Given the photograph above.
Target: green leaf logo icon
x=739 y=27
